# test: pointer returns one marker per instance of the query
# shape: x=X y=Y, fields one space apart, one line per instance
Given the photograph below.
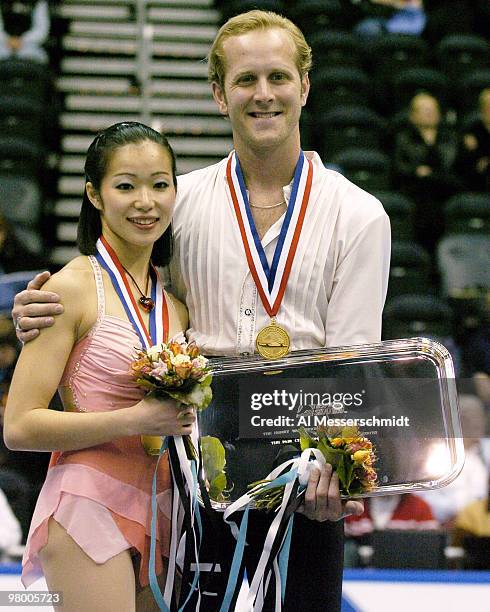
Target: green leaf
x=341 y=470
x=214 y=457
x=214 y=461
x=206 y=382
x=305 y=440
x=142 y=382
x=350 y=432
x=199 y=396
x=331 y=454
x=217 y=487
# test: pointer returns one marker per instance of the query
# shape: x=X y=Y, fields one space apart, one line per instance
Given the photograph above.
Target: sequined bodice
x=98 y=376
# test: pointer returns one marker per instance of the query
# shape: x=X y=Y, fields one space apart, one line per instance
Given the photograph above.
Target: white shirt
x=338 y=281
x=470 y=485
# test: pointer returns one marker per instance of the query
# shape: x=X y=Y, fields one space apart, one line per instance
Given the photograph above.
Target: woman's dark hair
x=96 y=163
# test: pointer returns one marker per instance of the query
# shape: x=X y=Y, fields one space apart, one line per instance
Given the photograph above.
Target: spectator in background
x=407 y=511
x=15 y=260
x=24 y=29
x=472 y=482
x=425 y=151
x=10 y=532
x=473 y=520
x=473 y=162
x=402 y=17
x=14 y=257
x=472 y=532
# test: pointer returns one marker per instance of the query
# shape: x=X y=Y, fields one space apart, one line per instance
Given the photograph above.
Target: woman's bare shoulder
x=72 y=281
x=180 y=310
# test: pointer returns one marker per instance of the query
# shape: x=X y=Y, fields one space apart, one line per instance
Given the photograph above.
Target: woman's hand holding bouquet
x=176 y=371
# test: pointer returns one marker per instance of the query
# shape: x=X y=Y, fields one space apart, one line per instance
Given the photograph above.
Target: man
x=334 y=286
x=24 y=28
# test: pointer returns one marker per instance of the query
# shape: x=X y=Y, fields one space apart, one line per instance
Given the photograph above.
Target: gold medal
x=273 y=341
x=152 y=444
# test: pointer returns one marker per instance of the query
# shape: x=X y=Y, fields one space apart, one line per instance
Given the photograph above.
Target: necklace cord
x=267 y=206
x=145 y=300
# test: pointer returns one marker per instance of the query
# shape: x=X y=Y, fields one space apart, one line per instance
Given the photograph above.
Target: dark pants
x=314 y=580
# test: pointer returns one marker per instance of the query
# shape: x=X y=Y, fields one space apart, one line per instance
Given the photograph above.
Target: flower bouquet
x=175 y=370
x=349 y=453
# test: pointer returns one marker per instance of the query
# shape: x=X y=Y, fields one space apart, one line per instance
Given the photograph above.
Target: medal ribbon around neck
x=271 y=282
x=158 y=331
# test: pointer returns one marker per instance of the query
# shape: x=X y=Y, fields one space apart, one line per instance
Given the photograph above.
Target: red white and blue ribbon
x=271 y=280
x=158 y=329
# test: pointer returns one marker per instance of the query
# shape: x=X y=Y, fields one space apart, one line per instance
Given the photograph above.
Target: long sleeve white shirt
x=338 y=281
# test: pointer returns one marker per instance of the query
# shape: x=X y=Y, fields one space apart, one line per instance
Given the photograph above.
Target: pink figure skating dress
x=102 y=495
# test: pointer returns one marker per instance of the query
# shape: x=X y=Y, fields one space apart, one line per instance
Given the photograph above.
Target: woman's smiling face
x=136 y=196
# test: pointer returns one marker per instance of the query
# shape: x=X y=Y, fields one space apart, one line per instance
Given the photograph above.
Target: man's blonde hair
x=251 y=22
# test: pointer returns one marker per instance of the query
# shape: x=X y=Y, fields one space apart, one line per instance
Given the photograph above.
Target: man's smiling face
x=263 y=91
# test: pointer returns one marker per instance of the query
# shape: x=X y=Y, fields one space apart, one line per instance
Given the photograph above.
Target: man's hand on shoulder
x=35 y=309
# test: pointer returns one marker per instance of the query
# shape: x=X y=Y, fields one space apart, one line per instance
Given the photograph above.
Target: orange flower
x=176 y=348
x=183 y=370
x=192 y=351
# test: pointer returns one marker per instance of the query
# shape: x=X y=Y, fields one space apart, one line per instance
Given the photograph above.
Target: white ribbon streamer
x=309 y=459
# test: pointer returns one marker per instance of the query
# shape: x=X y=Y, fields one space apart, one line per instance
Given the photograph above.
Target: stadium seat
x=469 y=88
x=22 y=117
x=462 y=261
x=367 y=168
x=21 y=203
x=339 y=86
x=229 y=9
x=347 y=126
x=401 y=211
x=416 y=314
x=459 y=53
x=410 y=269
x=24 y=77
x=411 y=81
x=316 y=15
x=467 y=213
x=335 y=48
x=20 y=156
x=390 y=53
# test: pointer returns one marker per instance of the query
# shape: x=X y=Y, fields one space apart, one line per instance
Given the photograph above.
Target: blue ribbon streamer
x=236 y=563
x=281 y=480
x=283 y=560
x=197 y=517
x=155 y=588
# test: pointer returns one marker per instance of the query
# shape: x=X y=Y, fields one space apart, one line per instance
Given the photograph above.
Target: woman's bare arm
x=30 y=425
x=35 y=308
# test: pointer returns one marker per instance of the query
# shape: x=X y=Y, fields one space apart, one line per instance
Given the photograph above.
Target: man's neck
x=269 y=169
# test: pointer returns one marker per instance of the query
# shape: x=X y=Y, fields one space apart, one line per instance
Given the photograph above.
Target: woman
x=90 y=531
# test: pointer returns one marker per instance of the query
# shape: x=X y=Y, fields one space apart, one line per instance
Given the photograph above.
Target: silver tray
x=389 y=381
